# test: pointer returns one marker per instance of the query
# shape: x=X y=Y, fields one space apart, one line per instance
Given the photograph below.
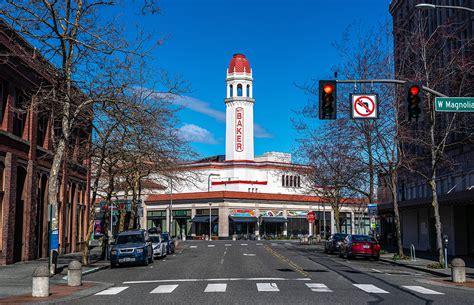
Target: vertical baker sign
x=239 y=129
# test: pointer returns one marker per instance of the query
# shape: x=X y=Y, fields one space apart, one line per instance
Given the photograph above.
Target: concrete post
x=458 y=270
x=40 y=282
x=74 y=274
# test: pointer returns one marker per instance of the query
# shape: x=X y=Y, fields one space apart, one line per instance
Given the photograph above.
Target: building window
x=283 y=180
x=287 y=181
x=299 y=181
x=239 y=90
x=231 y=90
x=248 y=90
x=19 y=116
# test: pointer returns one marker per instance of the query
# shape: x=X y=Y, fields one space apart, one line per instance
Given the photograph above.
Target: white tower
x=239 y=110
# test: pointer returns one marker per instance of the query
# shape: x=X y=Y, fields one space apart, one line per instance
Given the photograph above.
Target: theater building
x=239 y=194
x=26 y=158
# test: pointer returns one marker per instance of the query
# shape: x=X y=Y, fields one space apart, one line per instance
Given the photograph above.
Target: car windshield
x=155 y=239
x=130 y=239
x=362 y=238
x=339 y=236
x=165 y=237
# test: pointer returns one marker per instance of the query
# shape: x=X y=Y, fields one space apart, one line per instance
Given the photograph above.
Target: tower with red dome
x=239 y=110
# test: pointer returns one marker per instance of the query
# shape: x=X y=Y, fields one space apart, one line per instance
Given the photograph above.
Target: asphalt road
x=251 y=272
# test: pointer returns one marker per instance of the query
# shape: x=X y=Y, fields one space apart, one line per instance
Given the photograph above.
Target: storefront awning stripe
x=243 y=219
x=204 y=219
x=275 y=219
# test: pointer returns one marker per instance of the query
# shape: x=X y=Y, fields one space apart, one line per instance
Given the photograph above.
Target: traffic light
x=414 y=100
x=327 y=100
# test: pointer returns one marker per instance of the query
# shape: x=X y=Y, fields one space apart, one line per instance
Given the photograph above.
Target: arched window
x=283 y=180
x=248 y=90
x=292 y=179
x=287 y=181
x=231 y=90
x=239 y=90
x=299 y=181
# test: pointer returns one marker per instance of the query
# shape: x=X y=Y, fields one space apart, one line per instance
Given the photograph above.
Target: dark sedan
x=170 y=245
x=360 y=245
x=333 y=243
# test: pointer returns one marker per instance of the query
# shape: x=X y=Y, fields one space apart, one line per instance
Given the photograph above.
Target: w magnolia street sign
x=454 y=104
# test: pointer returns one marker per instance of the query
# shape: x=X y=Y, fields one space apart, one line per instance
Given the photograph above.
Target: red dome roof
x=239 y=62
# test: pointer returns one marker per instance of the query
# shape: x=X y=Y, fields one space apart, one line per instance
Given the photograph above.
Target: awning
x=274 y=219
x=243 y=218
x=204 y=219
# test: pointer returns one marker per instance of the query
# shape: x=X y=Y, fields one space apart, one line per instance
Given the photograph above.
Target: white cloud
x=194 y=133
x=260 y=132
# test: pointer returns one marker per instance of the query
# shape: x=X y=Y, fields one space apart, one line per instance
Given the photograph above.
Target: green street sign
x=454 y=104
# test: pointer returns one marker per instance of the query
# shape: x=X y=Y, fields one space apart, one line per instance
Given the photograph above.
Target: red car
x=360 y=245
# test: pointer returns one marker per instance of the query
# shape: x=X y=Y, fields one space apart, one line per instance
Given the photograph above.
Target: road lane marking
x=211 y=246
x=216 y=288
x=192 y=247
x=267 y=287
x=316 y=287
x=370 y=288
x=422 y=290
x=228 y=245
x=244 y=244
x=378 y=271
x=221 y=280
x=164 y=289
x=112 y=291
x=222 y=259
x=249 y=254
x=287 y=244
x=259 y=244
x=274 y=244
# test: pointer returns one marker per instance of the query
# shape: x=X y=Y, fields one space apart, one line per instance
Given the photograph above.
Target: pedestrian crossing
x=271 y=287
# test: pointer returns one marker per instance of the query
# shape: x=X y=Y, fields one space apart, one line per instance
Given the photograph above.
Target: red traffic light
x=328 y=89
x=414 y=90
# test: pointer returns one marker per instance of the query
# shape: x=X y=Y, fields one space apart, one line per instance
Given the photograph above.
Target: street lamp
x=432 y=6
x=208 y=190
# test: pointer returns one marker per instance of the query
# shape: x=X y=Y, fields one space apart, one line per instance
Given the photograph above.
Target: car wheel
x=112 y=266
x=376 y=258
x=340 y=253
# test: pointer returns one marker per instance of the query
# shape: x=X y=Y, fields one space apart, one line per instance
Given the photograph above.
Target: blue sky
x=286 y=42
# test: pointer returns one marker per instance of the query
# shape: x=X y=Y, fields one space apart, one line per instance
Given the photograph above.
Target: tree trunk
x=54 y=181
x=398 y=231
x=337 y=221
x=435 y=204
x=133 y=212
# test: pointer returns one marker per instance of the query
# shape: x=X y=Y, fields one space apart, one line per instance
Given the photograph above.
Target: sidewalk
x=16 y=279
x=421 y=263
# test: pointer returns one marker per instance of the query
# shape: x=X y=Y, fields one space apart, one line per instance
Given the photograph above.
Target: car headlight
x=113 y=252
x=140 y=250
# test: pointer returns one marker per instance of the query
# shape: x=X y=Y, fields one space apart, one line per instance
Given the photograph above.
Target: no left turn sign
x=364 y=106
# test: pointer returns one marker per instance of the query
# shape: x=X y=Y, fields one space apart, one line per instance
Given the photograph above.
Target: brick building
x=26 y=157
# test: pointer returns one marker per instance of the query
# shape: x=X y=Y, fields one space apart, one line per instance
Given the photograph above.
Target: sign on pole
x=364 y=106
x=311 y=217
x=454 y=104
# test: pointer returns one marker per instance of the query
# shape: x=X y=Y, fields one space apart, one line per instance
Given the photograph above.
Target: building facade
x=25 y=161
x=452 y=32
x=242 y=195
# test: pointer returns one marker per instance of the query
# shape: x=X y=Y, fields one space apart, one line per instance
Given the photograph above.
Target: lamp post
x=170 y=224
x=432 y=6
x=209 y=190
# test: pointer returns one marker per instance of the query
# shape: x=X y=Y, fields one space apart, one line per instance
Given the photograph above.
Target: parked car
x=360 y=245
x=132 y=246
x=160 y=246
x=334 y=242
x=170 y=245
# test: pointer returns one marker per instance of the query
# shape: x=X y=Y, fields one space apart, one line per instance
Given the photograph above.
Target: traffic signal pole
x=387 y=81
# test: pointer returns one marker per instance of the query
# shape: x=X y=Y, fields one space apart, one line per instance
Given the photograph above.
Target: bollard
x=40 y=282
x=458 y=270
x=74 y=274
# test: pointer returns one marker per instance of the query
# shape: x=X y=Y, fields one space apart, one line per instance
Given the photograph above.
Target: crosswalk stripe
x=112 y=291
x=216 y=288
x=287 y=244
x=274 y=244
x=259 y=244
x=228 y=245
x=164 y=289
x=267 y=287
x=244 y=244
x=317 y=287
x=370 y=288
x=193 y=247
x=422 y=290
x=210 y=246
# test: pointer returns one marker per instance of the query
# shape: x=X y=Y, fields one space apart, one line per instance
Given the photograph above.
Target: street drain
x=285 y=270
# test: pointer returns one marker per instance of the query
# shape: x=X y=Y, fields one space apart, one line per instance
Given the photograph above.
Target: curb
x=435 y=283
x=92 y=270
x=427 y=270
x=81 y=294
